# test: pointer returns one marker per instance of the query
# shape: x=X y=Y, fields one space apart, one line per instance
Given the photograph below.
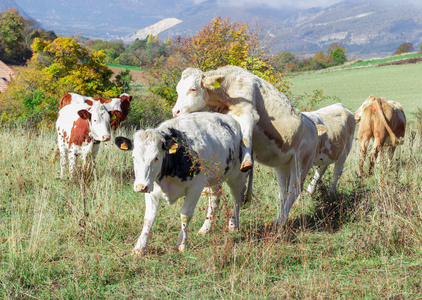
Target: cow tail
x=249 y=192
x=55 y=154
x=394 y=140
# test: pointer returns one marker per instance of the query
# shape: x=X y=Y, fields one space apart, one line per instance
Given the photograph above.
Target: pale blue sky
x=302 y=3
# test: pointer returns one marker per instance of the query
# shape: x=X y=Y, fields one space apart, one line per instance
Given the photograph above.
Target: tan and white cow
x=118 y=107
x=335 y=144
x=80 y=129
x=281 y=136
x=385 y=122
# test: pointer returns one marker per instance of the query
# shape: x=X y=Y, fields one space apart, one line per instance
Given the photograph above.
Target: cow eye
x=155 y=159
x=192 y=90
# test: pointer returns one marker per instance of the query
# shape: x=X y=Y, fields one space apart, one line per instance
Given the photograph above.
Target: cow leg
x=152 y=201
x=72 y=161
x=213 y=194
x=373 y=157
x=237 y=187
x=247 y=121
x=319 y=172
x=362 y=155
x=283 y=179
x=63 y=160
x=188 y=208
x=338 y=170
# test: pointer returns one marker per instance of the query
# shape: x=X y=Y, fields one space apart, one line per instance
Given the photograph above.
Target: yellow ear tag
x=114 y=117
x=321 y=129
x=123 y=146
x=217 y=84
x=173 y=148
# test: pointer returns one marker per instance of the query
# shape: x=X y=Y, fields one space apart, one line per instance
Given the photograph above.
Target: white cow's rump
x=335 y=144
x=180 y=158
x=80 y=129
x=281 y=136
x=385 y=122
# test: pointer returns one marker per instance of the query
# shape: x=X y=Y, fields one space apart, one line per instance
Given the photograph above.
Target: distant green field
x=376 y=61
x=402 y=83
x=125 y=67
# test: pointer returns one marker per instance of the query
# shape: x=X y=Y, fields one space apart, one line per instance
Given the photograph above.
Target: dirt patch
x=403 y=61
x=138 y=76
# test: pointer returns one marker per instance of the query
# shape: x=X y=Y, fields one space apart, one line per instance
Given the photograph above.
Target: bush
x=147 y=110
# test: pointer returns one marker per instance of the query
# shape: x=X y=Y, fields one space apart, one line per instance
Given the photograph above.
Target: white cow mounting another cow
x=335 y=144
x=180 y=158
x=281 y=136
x=385 y=122
x=80 y=129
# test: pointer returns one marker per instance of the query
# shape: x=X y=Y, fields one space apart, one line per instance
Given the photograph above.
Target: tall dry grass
x=71 y=239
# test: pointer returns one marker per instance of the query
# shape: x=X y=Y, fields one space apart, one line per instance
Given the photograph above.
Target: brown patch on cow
x=80 y=132
x=103 y=100
x=124 y=106
x=115 y=118
x=65 y=100
x=89 y=102
x=374 y=108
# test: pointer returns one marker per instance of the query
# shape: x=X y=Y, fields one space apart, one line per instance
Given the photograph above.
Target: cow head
x=149 y=149
x=192 y=91
x=115 y=119
x=99 y=121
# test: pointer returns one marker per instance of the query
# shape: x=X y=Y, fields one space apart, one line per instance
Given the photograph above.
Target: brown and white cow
x=385 y=122
x=118 y=107
x=281 y=136
x=80 y=129
x=335 y=144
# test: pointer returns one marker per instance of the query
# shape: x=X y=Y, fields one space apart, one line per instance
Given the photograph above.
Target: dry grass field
x=72 y=239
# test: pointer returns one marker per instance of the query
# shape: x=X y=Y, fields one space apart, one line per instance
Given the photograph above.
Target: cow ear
x=212 y=82
x=123 y=143
x=115 y=114
x=84 y=114
x=321 y=129
x=170 y=146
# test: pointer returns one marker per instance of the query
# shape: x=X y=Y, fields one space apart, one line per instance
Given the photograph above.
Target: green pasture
x=402 y=83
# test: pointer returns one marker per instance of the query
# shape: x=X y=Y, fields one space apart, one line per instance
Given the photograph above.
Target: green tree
x=73 y=65
x=404 y=48
x=337 y=54
x=12 y=40
x=218 y=44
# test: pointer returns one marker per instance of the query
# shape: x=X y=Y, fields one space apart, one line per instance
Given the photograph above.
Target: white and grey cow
x=181 y=157
x=281 y=136
x=80 y=129
x=335 y=144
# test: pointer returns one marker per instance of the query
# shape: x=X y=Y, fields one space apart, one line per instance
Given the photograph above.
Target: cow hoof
x=246 y=166
x=137 y=252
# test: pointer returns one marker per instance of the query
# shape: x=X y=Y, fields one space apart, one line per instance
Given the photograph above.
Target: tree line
x=55 y=65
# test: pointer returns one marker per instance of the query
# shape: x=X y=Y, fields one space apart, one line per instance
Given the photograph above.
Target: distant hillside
x=366 y=28
x=5 y=4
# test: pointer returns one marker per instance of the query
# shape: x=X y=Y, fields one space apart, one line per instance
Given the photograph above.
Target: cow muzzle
x=106 y=138
x=176 y=113
x=140 y=188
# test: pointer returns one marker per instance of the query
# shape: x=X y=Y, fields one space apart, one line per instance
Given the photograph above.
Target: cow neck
x=217 y=101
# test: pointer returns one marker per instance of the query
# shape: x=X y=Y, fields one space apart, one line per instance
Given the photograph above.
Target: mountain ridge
x=365 y=28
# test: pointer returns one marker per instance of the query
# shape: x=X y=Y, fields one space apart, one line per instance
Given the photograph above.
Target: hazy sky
x=282 y=3
x=302 y=3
